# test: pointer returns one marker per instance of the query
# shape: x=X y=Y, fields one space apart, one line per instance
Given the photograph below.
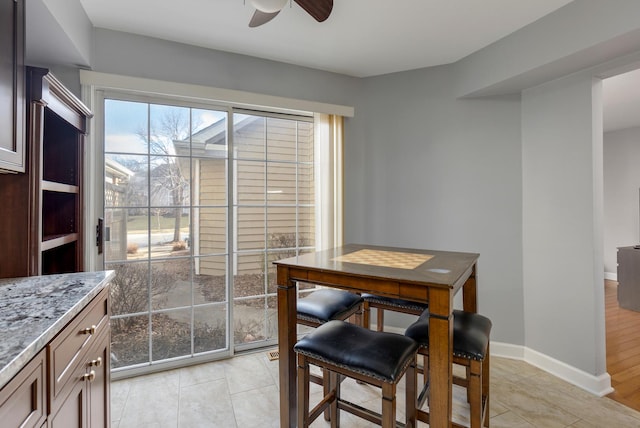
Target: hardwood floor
x=623 y=349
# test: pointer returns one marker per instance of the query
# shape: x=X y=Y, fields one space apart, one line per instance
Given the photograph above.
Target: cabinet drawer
x=66 y=350
x=22 y=400
x=87 y=378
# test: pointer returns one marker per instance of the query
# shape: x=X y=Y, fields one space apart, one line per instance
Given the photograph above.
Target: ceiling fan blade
x=318 y=9
x=260 y=18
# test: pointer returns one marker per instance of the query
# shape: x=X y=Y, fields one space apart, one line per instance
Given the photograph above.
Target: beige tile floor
x=243 y=392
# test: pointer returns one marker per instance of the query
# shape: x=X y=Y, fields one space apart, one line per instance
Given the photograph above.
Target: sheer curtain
x=329 y=188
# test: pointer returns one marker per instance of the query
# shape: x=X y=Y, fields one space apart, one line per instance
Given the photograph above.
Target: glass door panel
x=192 y=232
x=166 y=218
x=272 y=180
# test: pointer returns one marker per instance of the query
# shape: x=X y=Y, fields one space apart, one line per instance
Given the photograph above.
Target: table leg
x=286 y=340
x=440 y=357
x=470 y=292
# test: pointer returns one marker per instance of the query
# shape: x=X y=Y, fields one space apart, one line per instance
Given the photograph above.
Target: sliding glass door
x=273 y=208
x=198 y=202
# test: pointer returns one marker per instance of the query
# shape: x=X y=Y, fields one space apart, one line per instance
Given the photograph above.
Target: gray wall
x=582 y=34
x=427 y=170
x=120 y=53
x=621 y=194
x=562 y=238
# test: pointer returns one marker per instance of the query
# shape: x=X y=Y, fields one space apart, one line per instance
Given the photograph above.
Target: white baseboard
x=611 y=276
x=507 y=350
x=597 y=385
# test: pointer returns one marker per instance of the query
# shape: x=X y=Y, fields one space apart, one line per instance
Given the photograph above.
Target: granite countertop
x=34 y=309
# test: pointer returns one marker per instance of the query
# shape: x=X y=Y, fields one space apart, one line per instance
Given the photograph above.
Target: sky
x=124 y=120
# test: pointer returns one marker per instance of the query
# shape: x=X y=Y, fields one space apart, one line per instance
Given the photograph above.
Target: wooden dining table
x=412 y=274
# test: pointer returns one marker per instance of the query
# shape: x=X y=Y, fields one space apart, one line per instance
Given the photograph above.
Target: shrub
x=178 y=246
x=132 y=248
x=130 y=289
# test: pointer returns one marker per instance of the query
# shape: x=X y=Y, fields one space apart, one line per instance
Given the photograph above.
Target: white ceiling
x=360 y=38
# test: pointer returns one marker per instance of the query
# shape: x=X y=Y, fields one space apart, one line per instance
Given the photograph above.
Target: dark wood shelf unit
x=41 y=224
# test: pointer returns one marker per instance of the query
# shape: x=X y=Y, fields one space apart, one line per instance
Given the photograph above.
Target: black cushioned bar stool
x=377 y=358
x=328 y=304
x=381 y=303
x=471 y=334
x=324 y=305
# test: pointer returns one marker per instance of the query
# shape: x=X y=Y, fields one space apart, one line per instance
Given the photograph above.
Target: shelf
x=42 y=222
x=53 y=241
x=53 y=186
x=60 y=150
x=59 y=213
x=61 y=259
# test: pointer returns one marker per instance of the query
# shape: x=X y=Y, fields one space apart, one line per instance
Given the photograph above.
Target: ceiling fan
x=266 y=10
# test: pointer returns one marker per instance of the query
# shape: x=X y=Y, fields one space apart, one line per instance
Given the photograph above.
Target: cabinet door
x=629 y=278
x=22 y=400
x=12 y=89
x=87 y=402
x=73 y=412
x=99 y=391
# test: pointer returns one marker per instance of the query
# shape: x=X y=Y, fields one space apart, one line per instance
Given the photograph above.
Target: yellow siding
x=255 y=204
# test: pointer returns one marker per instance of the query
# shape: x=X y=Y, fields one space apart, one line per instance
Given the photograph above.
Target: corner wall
x=562 y=237
x=427 y=170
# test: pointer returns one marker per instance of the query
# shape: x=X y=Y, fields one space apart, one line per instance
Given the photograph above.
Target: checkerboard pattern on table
x=394 y=259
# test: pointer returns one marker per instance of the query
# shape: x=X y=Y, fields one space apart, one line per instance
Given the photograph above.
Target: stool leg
x=411 y=378
x=334 y=382
x=380 y=320
x=388 y=405
x=485 y=387
x=326 y=388
x=425 y=373
x=303 y=391
x=366 y=315
x=474 y=389
x=467 y=377
x=359 y=317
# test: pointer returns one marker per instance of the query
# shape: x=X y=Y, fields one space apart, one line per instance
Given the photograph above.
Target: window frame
x=96 y=155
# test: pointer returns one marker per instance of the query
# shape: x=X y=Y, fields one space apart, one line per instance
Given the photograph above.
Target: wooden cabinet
x=629 y=278
x=72 y=375
x=78 y=369
x=23 y=400
x=41 y=226
x=12 y=86
x=57 y=128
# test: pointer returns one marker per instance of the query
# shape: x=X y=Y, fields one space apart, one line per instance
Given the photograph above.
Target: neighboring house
x=116 y=181
x=264 y=190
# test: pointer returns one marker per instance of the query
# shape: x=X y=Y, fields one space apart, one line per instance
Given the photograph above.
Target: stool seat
x=471 y=332
x=397 y=303
x=382 y=304
x=326 y=305
x=382 y=356
x=347 y=350
x=470 y=349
